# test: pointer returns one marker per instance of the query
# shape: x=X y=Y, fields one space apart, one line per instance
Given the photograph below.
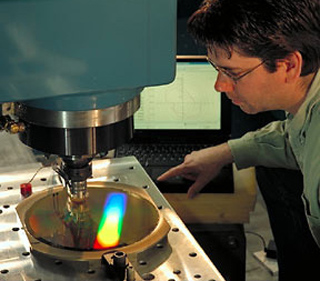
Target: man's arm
x=311 y=165
x=267 y=147
x=311 y=173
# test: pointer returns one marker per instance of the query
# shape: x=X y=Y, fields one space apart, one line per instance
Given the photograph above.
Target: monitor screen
x=190 y=102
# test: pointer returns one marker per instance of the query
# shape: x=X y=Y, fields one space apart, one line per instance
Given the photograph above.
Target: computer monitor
x=190 y=102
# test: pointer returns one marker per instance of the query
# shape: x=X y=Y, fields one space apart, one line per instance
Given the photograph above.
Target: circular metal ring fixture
x=115 y=217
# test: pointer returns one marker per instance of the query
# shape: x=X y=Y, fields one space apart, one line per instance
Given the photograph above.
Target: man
x=267 y=53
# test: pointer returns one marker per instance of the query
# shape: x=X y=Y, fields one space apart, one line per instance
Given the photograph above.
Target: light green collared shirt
x=293 y=143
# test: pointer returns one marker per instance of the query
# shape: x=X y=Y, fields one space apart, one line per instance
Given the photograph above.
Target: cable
x=35 y=174
x=260 y=236
x=61 y=174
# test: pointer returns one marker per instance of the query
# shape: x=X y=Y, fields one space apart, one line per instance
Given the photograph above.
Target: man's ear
x=293 y=65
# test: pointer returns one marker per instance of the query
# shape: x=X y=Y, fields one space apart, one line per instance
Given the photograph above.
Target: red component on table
x=26 y=189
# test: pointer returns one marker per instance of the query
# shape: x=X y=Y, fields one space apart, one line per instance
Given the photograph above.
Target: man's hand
x=201 y=166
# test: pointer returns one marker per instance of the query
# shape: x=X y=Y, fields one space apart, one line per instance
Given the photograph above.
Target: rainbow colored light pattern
x=110 y=227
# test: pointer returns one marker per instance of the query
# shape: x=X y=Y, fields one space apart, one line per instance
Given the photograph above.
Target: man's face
x=257 y=91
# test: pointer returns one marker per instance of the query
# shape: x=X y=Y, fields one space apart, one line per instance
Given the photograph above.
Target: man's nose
x=223 y=83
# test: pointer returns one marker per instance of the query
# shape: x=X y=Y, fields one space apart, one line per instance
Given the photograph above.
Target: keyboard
x=158 y=158
x=167 y=155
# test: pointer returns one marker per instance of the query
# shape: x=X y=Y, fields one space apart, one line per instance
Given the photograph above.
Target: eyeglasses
x=233 y=77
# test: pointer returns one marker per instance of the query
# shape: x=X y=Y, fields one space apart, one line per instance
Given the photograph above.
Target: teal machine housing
x=95 y=53
x=74 y=70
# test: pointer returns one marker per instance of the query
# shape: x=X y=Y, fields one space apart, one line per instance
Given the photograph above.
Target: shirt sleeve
x=268 y=146
x=311 y=174
x=311 y=163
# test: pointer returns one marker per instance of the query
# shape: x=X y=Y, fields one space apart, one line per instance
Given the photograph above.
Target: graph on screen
x=189 y=102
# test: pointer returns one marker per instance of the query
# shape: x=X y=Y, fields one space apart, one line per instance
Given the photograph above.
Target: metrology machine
x=70 y=79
